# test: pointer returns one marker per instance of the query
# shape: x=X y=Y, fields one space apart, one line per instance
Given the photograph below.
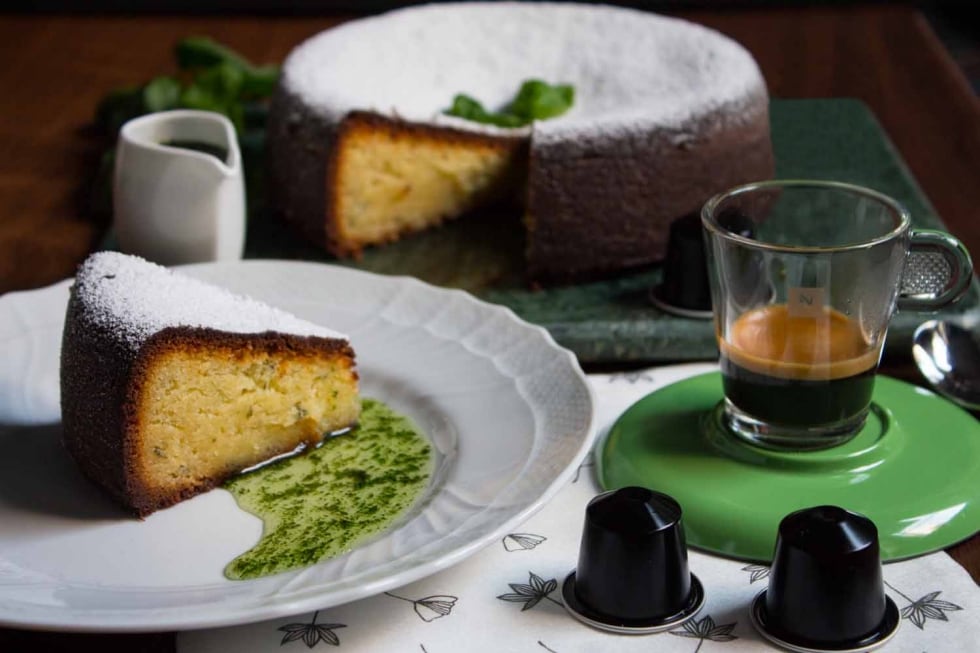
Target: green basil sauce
x=323 y=503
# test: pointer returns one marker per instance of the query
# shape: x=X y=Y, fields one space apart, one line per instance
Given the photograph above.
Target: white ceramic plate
x=509 y=410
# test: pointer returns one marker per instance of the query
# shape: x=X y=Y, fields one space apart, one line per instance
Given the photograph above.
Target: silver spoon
x=948 y=355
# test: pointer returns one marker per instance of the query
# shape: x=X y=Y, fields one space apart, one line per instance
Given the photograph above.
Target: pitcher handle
x=953 y=252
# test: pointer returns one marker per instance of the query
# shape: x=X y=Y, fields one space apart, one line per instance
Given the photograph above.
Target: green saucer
x=914 y=469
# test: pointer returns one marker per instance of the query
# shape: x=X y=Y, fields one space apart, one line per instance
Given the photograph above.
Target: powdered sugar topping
x=630 y=69
x=136 y=298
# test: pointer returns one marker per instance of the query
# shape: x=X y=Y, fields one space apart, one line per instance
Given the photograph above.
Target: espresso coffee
x=798 y=371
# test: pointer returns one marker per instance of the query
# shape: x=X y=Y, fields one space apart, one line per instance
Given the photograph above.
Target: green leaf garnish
x=466 y=107
x=202 y=52
x=536 y=100
x=213 y=78
x=161 y=94
x=217 y=89
x=259 y=81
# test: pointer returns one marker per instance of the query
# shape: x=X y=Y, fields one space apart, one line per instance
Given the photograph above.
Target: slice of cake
x=170 y=385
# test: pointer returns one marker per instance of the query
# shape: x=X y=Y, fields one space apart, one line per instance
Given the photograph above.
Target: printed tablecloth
x=507 y=597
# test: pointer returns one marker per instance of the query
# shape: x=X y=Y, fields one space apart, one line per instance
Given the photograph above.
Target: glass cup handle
x=935 y=248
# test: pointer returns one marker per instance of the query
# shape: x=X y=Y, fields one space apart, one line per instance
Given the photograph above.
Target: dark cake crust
x=594 y=207
x=299 y=146
x=101 y=378
x=600 y=207
x=94 y=371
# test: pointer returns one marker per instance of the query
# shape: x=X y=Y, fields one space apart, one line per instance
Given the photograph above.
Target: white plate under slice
x=509 y=411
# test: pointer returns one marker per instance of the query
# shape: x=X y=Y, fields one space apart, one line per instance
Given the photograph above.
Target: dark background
x=953 y=21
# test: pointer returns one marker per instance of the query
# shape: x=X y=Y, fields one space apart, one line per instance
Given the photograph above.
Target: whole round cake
x=666 y=114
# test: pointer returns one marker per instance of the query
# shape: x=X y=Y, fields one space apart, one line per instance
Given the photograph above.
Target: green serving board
x=613 y=321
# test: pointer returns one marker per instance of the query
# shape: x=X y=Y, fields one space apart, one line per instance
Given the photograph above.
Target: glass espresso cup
x=805 y=276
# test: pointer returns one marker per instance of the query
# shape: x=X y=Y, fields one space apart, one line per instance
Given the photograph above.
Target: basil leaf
x=506 y=120
x=202 y=52
x=200 y=97
x=221 y=80
x=538 y=100
x=216 y=89
x=259 y=81
x=161 y=94
x=466 y=107
x=199 y=52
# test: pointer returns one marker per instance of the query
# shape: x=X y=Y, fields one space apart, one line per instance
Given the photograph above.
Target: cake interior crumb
x=205 y=417
x=390 y=185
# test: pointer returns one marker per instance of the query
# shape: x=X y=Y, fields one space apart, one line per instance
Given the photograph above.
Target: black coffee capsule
x=826 y=591
x=684 y=290
x=632 y=574
x=748 y=283
x=735 y=221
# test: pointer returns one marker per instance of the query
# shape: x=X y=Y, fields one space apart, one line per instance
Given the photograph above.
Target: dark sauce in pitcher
x=216 y=151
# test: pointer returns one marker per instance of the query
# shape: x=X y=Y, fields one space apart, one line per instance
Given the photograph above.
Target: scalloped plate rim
x=146 y=619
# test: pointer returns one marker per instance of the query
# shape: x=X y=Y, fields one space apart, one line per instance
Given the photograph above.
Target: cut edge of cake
x=387 y=178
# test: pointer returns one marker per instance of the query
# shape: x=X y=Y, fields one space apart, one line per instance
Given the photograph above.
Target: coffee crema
x=804 y=372
x=770 y=341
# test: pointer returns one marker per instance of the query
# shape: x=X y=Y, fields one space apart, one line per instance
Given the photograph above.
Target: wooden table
x=57 y=68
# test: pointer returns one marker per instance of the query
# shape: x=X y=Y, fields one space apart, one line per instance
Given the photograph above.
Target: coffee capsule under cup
x=826 y=591
x=632 y=575
x=684 y=290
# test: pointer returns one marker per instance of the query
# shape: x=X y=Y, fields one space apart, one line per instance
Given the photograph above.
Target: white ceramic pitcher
x=173 y=204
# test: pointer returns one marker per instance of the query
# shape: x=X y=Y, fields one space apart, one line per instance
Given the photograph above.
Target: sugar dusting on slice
x=136 y=298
